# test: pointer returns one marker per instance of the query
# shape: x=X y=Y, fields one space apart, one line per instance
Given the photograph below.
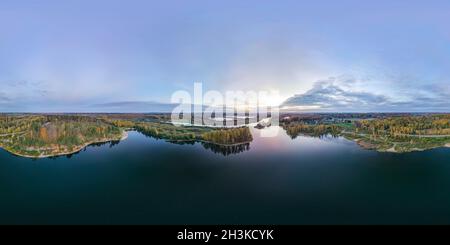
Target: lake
x=277 y=180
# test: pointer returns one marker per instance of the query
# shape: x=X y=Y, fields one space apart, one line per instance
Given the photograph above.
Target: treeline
x=412 y=125
x=228 y=136
x=64 y=130
x=293 y=130
x=17 y=124
x=123 y=123
x=168 y=132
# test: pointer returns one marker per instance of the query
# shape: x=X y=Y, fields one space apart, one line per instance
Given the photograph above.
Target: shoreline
x=123 y=137
x=361 y=143
x=209 y=142
x=78 y=149
x=372 y=147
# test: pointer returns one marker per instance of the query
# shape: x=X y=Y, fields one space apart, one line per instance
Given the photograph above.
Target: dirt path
x=392 y=149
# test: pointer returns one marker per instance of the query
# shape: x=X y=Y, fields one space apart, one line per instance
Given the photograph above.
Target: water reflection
x=303 y=181
x=227 y=150
x=220 y=149
x=284 y=140
x=68 y=156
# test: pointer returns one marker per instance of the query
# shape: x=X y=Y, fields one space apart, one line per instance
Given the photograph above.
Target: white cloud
x=339 y=94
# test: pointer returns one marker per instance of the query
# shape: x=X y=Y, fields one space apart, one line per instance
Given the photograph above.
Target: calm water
x=273 y=181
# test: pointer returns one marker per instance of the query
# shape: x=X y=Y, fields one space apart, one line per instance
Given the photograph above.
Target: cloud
x=433 y=97
x=17 y=83
x=338 y=95
x=19 y=95
x=4 y=98
x=329 y=95
x=23 y=89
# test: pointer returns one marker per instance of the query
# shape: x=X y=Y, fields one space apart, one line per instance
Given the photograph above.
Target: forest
x=385 y=132
x=313 y=130
x=170 y=132
x=38 y=135
x=418 y=125
x=47 y=135
x=228 y=136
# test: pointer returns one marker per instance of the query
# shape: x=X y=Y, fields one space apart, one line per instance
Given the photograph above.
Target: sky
x=131 y=56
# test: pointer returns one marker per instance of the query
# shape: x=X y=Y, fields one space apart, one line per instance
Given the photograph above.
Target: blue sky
x=107 y=55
